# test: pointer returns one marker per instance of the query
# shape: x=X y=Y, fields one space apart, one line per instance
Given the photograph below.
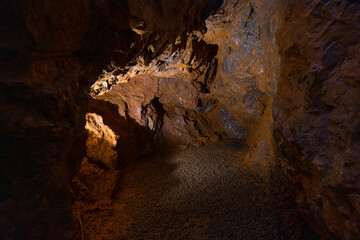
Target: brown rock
x=315 y=109
x=282 y=76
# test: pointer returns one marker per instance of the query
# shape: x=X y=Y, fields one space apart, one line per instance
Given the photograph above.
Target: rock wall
x=42 y=137
x=50 y=53
x=175 y=111
x=180 y=73
x=94 y=184
x=230 y=68
x=248 y=72
x=316 y=111
x=47 y=64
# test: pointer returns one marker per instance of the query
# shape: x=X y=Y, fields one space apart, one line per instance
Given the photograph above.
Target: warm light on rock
x=175 y=119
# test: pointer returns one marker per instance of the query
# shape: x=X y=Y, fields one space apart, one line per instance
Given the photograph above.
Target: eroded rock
x=316 y=110
x=170 y=107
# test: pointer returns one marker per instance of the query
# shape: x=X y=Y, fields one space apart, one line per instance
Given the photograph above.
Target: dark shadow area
x=134 y=140
x=212 y=7
x=99 y=183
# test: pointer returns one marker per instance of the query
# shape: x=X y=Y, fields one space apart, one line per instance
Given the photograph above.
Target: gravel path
x=199 y=193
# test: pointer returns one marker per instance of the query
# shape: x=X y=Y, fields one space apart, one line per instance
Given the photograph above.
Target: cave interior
x=179 y=119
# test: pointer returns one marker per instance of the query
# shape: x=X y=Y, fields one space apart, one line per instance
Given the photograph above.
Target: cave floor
x=199 y=193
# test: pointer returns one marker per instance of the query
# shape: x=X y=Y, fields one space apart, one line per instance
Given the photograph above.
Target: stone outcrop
x=94 y=185
x=174 y=110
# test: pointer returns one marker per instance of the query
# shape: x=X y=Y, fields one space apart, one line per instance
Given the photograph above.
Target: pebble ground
x=200 y=193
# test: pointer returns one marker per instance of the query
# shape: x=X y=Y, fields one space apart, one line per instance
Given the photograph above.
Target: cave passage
x=196 y=193
x=179 y=119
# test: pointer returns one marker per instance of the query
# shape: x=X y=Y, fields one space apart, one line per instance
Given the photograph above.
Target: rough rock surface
x=94 y=184
x=177 y=73
x=42 y=135
x=222 y=95
x=110 y=138
x=50 y=52
x=101 y=141
x=248 y=72
x=316 y=110
x=174 y=110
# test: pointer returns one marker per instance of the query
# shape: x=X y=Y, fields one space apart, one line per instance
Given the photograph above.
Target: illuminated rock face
x=283 y=76
x=210 y=85
x=97 y=178
x=248 y=72
x=175 y=111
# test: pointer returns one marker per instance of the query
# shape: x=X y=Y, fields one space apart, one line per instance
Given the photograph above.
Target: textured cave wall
x=50 y=53
x=170 y=108
x=316 y=111
x=248 y=73
x=216 y=81
x=42 y=119
x=192 y=78
x=46 y=67
x=165 y=87
x=114 y=142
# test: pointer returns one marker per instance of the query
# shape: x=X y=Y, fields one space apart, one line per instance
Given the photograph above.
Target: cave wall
x=252 y=70
x=42 y=116
x=51 y=51
x=171 y=108
x=316 y=111
x=223 y=73
x=46 y=70
x=248 y=73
